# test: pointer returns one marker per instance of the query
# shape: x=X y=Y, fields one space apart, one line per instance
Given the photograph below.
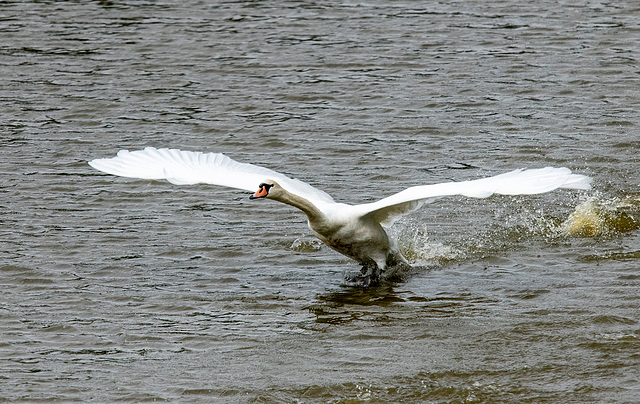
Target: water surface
x=121 y=289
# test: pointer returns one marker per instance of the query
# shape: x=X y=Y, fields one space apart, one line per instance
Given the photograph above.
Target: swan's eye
x=265 y=187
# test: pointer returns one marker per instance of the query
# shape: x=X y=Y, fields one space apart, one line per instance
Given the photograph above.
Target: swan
x=357 y=231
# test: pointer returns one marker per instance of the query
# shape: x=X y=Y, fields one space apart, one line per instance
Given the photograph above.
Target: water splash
x=602 y=216
x=306 y=245
x=597 y=216
x=416 y=246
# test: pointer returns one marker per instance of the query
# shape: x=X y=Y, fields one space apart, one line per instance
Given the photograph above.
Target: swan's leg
x=374 y=273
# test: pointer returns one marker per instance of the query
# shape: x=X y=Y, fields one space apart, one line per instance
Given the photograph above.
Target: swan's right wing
x=518 y=182
x=186 y=167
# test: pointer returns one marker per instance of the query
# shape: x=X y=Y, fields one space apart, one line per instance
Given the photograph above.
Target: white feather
x=186 y=168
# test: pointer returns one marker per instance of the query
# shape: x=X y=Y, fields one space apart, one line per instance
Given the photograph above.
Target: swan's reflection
x=354 y=303
x=382 y=295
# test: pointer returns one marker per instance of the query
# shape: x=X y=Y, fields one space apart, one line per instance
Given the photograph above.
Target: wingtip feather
x=578 y=181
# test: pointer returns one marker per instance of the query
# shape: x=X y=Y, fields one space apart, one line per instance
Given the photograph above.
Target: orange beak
x=262 y=192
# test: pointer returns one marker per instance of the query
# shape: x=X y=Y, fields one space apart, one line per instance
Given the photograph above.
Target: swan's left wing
x=185 y=167
x=518 y=182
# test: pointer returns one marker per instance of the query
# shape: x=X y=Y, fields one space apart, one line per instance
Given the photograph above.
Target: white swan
x=356 y=231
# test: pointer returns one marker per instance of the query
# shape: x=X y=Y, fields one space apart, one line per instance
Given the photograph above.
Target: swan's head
x=263 y=190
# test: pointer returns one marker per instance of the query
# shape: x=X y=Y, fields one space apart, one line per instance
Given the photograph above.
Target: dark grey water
x=125 y=290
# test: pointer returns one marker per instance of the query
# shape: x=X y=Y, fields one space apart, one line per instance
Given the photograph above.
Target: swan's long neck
x=284 y=196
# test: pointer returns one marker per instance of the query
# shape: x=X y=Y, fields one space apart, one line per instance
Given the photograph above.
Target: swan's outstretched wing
x=186 y=167
x=518 y=182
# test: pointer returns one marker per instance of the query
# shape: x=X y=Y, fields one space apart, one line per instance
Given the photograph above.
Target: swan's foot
x=357 y=280
x=368 y=276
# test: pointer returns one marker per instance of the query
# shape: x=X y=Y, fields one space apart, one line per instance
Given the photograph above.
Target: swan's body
x=357 y=231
